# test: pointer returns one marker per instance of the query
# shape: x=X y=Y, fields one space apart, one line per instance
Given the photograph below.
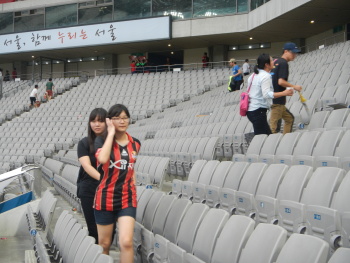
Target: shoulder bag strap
x=251 y=83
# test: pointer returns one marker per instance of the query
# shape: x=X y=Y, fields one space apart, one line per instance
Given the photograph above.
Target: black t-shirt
x=281 y=71
x=86 y=184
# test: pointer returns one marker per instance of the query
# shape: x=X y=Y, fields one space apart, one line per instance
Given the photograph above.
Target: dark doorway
x=160 y=58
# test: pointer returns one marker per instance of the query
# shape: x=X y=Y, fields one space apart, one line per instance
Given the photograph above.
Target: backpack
x=244 y=100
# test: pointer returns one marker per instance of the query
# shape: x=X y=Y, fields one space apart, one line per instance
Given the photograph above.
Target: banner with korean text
x=156 y=28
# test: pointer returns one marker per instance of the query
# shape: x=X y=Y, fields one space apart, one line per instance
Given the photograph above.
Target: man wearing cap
x=236 y=75
x=280 y=82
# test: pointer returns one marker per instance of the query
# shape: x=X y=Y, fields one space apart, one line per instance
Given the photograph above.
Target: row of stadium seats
x=70 y=243
x=313 y=148
x=177 y=230
x=274 y=193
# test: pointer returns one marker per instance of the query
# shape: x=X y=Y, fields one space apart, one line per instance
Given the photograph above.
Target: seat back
x=342 y=197
x=190 y=224
x=256 y=144
x=208 y=232
x=272 y=179
x=196 y=170
x=142 y=203
x=341 y=255
x=264 y=244
x=294 y=183
x=232 y=239
x=161 y=214
x=327 y=143
x=175 y=216
x=322 y=184
x=306 y=143
x=220 y=173
x=252 y=177
x=151 y=209
x=304 y=248
x=271 y=143
x=318 y=120
x=235 y=174
x=207 y=172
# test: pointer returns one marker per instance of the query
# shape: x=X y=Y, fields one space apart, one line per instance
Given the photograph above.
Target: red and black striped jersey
x=116 y=189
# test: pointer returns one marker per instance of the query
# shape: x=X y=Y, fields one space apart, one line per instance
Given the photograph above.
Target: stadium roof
x=290 y=25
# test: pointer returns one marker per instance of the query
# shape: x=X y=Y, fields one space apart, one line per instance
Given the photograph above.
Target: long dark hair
x=261 y=61
x=117 y=109
x=101 y=115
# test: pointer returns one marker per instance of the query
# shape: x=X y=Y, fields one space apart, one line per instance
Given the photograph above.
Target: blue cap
x=291 y=47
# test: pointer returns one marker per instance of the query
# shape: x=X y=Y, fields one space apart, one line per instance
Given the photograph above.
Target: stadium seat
x=232 y=239
x=264 y=244
x=319 y=192
x=341 y=255
x=325 y=222
x=231 y=185
x=244 y=197
x=303 y=248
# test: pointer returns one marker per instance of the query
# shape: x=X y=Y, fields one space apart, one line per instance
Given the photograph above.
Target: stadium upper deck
x=238 y=28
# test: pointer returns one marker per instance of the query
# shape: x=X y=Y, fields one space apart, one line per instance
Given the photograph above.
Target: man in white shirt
x=34 y=96
x=246 y=68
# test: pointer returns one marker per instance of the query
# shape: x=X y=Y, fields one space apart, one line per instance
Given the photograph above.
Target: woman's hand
x=110 y=127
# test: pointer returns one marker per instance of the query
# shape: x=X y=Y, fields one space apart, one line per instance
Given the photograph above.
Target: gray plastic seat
x=268 y=188
x=193 y=177
x=231 y=185
x=253 y=150
x=102 y=258
x=304 y=248
x=92 y=254
x=232 y=239
x=264 y=244
x=160 y=217
x=341 y=255
x=205 y=178
x=327 y=223
x=84 y=247
x=325 y=147
x=291 y=188
x=319 y=192
x=286 y=146
x=212 y=190
x=304 y=147
x=244 y=197
x=208 y=232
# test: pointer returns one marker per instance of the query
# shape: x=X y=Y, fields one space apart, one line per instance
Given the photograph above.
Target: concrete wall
x=123 y=63
x=91 y=66
x=194 y=55
x=6 y=66
x=327 y=37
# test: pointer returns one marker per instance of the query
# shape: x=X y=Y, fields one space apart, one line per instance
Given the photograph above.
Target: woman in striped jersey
x=115 y=198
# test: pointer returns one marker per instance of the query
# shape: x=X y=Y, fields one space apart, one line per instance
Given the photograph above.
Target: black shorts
x=237 y=84
x=32 y=100
x=110 y=217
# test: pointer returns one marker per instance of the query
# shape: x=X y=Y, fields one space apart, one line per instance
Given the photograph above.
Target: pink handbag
x=244 y=100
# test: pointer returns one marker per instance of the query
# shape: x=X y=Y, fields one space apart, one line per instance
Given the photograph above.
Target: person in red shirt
x=133 y=67
x=14 y=74
x=115 y=198
x=205 y=60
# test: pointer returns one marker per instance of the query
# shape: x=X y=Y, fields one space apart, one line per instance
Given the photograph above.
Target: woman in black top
x=89 y=177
